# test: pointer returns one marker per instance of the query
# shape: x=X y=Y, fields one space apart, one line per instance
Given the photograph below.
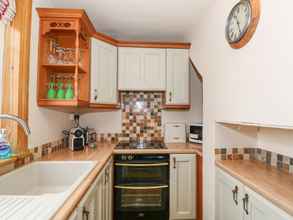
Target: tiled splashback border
x=33 y=154
x=279 y=161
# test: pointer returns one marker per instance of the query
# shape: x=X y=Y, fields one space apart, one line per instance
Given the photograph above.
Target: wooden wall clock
x=242 y=22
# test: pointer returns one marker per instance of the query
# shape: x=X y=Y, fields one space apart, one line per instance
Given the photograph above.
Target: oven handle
x=141 y=187
x=141 y=164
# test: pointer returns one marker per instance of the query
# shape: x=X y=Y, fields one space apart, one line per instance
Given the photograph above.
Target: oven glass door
x=141 y=198
x=130 y=173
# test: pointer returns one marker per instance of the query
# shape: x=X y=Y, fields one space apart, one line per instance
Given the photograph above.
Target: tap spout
x=17 y=119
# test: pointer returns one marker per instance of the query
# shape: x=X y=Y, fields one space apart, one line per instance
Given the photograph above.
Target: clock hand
x=238 y=24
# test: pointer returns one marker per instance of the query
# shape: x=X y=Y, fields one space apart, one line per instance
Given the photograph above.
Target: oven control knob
x=123 y=157
x=141 y=215
x=130 y=157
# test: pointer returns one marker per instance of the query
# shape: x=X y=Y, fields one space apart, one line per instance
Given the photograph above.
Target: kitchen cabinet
x=103 y=74
x=228 y=194
x=64 y=58
x=236 y=201
x=182 y=186
x=142 y=69
x=97 y=202
x=178 y=79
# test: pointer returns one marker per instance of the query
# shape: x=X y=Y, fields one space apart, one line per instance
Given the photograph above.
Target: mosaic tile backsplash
x=141 y=116
x=280 y=161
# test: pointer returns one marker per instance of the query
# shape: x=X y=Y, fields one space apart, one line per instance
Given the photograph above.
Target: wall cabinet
x=182 y=186
x=236 y=201
x=178 y=78
x=103 y=73
x=97 y=202
x=142 y=69
x=63 y=62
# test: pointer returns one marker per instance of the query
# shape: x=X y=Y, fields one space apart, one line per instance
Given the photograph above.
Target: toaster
x=175 y=133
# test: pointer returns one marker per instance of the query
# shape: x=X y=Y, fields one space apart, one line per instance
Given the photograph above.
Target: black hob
x=141 y=145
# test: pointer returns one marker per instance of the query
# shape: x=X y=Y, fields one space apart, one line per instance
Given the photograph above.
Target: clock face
x=238 y=21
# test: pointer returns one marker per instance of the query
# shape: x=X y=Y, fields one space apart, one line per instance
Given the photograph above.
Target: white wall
x=46 y=125
x=253 y=84
x=103 y=122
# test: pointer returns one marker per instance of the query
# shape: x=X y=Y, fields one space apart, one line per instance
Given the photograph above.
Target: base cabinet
x=97 y=202
x=235 y=201
x=182 y=186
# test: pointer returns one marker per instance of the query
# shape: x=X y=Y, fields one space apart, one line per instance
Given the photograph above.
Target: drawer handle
x=174 y=163
x=245 y=203
x=235 y=195
x=141 y=165
x=85 y=213
x=141 y=187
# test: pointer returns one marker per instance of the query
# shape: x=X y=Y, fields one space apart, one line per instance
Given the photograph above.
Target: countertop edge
x=266 y=194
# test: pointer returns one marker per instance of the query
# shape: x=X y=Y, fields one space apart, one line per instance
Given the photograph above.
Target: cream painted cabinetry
x=142 y=69
x=182 y=186
x=97 y=202
x=235 y=201
x=178 y=80
x=103 y=73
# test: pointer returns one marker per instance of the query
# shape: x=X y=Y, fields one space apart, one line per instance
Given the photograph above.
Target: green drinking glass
x=51 y=94
x=60 y=91
x=69 y=94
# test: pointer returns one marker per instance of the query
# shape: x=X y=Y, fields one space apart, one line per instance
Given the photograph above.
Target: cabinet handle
x=235 y=195
x=245 y=203
x=170 y=96
x=174 y=162
x=96 y=94
x=85 y=214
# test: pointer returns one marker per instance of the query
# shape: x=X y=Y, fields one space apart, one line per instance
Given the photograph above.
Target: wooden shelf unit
x=64 y=30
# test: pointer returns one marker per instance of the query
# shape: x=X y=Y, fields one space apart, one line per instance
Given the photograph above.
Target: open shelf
x=259 y=125
x=63 y=68
x=64 y=58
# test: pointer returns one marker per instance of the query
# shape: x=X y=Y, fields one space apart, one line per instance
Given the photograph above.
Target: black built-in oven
x=141 y=187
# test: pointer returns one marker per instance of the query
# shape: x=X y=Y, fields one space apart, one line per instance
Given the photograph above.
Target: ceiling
x=150 y=20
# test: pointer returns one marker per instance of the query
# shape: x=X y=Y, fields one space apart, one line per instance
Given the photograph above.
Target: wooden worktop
x=102 y=154
x=273 y=184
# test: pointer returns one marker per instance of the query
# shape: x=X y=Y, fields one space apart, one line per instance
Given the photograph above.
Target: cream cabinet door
x=104 y=60
x=100 y=197
x=154 y=69
x=142 y=69
x=87 y=207
x=229 y=194
x=182 y=186
x=259 y=208
x=178 y=80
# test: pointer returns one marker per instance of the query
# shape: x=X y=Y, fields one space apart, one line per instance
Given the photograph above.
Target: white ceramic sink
x=39 y=178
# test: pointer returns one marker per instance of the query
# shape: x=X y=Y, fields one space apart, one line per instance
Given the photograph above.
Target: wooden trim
x=183 y=107
x=145 y=44
x=199 y=187
x=195 y=69
x=105 y=38
x=16 y=72
x=67 y=13
x=105 y=106
x=255 y=6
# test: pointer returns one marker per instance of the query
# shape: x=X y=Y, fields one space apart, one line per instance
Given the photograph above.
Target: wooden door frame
x=16 y=72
